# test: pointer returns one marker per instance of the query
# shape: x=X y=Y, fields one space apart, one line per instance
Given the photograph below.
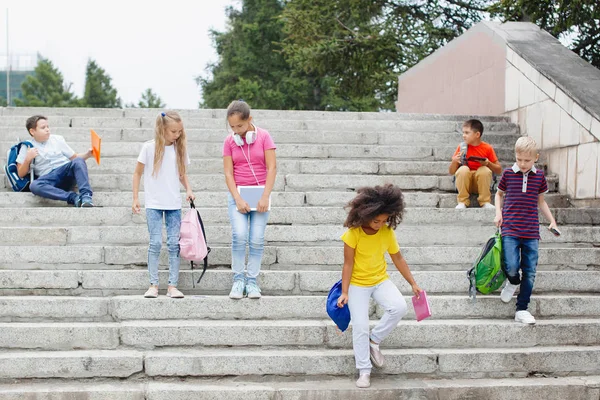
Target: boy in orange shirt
x=472 y=164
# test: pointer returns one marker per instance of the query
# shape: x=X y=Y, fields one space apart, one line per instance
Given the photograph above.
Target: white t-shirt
x=52 y=153
x=162 y=192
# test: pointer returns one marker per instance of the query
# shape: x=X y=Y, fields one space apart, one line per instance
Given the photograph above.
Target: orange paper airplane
x=96 y=142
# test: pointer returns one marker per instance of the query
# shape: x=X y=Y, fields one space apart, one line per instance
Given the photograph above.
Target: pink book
x=421 y=306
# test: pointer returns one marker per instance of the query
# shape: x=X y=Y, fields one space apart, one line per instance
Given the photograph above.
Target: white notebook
x=252 y=194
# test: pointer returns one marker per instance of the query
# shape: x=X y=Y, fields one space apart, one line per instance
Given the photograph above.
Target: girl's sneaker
x=363 y=381
x=376 y=357
x=253 y=290
x=174 y=293
x=152 y=292
x=237 y=290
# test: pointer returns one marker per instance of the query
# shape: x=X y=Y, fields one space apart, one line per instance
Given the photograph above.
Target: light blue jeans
x=155 y=222
x=246 y=230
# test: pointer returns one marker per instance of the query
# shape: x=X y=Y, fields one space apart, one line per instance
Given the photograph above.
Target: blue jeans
x=155 y=221
x=246 y=229
x=521 y=254
x=58 y=183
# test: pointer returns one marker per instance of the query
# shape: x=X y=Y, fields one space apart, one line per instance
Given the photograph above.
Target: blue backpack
x=10 y=168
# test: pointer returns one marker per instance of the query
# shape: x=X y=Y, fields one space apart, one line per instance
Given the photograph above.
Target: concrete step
x=438 y=363
x=90 y=257
x=218 y=282
x=297 y=182
x=141 y=335
x=279 y=199
x=283 y=124
x=430 y=363
x=25 y=112
x=408 y=235
x=322 y=388
x=70 y=364
x=198 y=150
x=69 y=216
x=121 y=308
x=505 y=139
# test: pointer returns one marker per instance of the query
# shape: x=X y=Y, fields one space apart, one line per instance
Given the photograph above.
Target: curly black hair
x=373 y=201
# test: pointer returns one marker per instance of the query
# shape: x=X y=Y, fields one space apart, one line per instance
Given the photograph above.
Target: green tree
x=46 y=88
x=3 y=102
x=251 y=65
x=577 y=22
x=359 y=47
x=99 y=92
x=150 y=100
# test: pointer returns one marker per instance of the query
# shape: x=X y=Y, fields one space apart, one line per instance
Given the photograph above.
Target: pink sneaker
x=174 y=293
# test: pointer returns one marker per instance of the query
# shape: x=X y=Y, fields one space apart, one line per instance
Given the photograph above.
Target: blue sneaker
x=237 y=290
x=77 y=201
x=253 y=290
x=86 y=201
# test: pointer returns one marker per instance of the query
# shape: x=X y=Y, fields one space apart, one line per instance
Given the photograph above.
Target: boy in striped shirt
x=520 y=194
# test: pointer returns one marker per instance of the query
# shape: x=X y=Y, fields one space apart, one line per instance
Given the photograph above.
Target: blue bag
x=341 y=316
x=17 y=183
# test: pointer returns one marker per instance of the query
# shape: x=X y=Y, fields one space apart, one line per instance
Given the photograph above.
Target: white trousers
x=387 y=295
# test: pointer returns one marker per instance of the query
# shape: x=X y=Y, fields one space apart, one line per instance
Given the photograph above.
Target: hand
x=242 y=206
x=498 y=220
x=189 y=196
x=135 y=207
x=263 y=204
x=457 y=158
x=416 y=290
x=483 y=162
x=31 y=154
x=89 y=153
x=553 y=225
x=342 y=300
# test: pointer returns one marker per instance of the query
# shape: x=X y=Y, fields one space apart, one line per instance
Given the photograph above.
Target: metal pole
x=7 y=63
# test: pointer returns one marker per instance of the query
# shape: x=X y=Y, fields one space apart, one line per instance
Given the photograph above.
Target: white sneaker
x=461 y=206
x=363 y=381
x=508 y=291
x=524 y=317
x=377 y=358
x=489 y=205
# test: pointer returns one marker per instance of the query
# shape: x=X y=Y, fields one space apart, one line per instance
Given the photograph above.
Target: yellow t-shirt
x=370 y=267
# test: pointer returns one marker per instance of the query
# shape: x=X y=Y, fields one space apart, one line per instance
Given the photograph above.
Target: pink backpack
x=192 y=240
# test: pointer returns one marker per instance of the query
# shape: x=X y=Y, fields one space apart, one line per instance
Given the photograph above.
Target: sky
x=140 y=44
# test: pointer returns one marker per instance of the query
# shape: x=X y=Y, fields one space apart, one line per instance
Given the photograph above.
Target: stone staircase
x=75 y=325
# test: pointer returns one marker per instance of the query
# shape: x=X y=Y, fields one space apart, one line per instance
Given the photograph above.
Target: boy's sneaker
x=524 y=317
x=508 y=291
x=86 y=201
x=461 y=206
x=252 y=290
x=488 y=205
x=237 y=290
x=376 y=357
x=77 y=201
x=363 y=381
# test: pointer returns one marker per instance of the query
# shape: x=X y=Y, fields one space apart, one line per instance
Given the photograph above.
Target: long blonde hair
x=159 y=138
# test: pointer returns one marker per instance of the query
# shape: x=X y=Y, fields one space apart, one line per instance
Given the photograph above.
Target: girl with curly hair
x=373 y=215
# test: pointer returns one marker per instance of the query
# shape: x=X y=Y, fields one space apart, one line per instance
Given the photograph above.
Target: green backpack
x=487 y=273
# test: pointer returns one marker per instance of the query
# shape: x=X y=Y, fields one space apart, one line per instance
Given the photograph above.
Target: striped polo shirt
x=520 y=206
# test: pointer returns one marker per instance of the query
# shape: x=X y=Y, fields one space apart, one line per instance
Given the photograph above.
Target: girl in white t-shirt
x=167 y=158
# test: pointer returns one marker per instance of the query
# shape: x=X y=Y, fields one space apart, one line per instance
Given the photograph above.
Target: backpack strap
x=463 y=159
x=207 y=248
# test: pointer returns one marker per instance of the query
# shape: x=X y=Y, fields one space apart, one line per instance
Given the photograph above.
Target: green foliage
x=99 y=92
x=361 y=46
x=3 y=102
x=149 y=100
x=46 y=88
x=576 y=21
x=251 y=65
